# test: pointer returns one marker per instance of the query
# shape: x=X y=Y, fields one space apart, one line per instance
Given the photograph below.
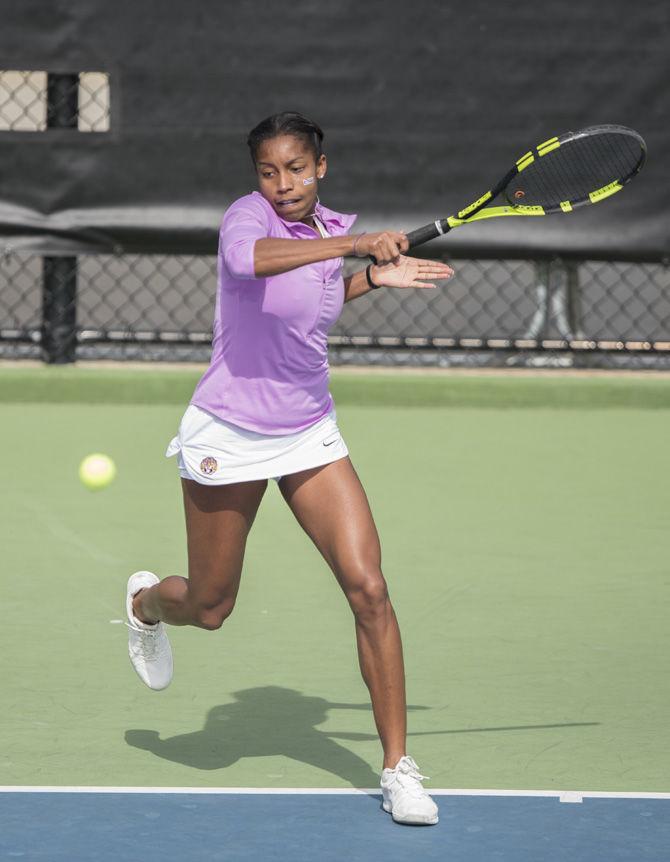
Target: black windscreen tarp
x=424 y=106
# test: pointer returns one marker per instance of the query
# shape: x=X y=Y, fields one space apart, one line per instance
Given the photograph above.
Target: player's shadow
x=270 y=721
x=264 y=722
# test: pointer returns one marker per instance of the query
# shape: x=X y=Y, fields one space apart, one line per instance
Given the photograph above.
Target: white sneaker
x=148 y=645
x=404 y=796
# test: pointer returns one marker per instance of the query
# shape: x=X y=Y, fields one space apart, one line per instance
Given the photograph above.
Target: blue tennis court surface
x=318 y=827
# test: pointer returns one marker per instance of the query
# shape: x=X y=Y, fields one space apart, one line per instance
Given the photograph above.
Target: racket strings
x=576 y=168
x=567 y=176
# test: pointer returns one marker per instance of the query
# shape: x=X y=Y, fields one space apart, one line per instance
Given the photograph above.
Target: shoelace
x=409 y=777
x=148 y=642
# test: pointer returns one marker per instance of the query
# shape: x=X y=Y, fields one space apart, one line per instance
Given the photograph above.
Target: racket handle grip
x=424 y=234
x=427 y=232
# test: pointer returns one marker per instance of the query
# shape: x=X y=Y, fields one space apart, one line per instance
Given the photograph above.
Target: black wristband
x=371 y=284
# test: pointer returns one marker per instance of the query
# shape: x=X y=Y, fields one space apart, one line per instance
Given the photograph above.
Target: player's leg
x=330 y=504
x=218 y=520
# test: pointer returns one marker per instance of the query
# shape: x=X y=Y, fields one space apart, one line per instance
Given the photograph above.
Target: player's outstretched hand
x=411 y=272
x=384 y=247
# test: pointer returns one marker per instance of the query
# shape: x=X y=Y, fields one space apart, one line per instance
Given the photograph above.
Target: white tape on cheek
x=308 y=181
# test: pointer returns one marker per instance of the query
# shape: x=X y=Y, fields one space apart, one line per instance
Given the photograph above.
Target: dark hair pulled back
x=286 y=123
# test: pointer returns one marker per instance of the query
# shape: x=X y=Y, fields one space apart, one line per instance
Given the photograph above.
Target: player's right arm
x=248 y=251
x=272 y=256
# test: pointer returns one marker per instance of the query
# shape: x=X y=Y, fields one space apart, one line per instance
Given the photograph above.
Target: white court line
x=563 y=795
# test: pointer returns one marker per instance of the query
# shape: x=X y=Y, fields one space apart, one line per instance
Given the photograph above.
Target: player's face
x=288 y=176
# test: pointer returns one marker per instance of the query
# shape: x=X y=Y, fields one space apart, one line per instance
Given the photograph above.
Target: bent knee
x=369 y=597
x=212 y=618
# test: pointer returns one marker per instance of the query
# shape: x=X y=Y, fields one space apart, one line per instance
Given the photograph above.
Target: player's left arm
x=409 y=272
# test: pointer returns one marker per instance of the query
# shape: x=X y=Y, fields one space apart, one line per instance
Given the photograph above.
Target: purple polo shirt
x=269 y=365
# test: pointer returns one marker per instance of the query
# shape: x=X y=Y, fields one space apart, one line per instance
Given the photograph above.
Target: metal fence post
x=59 y=309
x=537 y=328
x=574 y=299
x=59 y=274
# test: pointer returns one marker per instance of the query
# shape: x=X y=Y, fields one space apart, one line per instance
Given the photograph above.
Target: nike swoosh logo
x=331 y=442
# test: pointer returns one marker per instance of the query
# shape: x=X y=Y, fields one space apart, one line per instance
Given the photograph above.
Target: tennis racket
x=563 y=173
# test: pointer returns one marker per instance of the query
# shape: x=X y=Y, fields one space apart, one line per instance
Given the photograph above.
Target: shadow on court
x=263 y=722
x=271 y=720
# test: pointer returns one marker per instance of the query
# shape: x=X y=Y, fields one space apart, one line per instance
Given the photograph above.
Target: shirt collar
x=329 y=218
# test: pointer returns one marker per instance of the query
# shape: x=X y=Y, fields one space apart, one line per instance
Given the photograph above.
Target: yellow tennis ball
x=97 y=471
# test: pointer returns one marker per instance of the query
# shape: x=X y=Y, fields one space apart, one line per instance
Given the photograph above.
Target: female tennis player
x=263 y=410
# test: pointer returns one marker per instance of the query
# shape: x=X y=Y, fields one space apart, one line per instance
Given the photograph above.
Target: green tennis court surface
x=525 y=541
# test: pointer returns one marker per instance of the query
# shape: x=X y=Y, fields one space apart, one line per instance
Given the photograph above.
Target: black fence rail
x=493 y=312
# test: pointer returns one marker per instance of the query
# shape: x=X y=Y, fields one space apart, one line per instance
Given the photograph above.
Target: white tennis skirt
x=212 y=451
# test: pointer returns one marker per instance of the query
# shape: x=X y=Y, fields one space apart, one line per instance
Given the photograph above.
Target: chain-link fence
x=493 y=312
x=36 y=101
